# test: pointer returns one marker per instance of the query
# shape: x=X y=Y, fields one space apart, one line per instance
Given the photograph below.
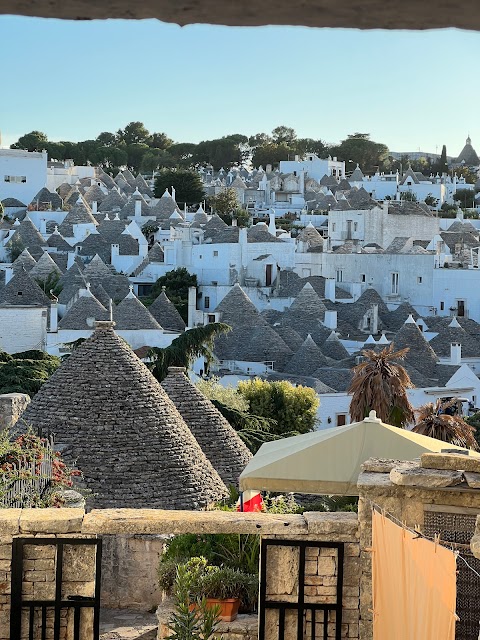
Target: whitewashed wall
x=16 y=162
x=22 y=328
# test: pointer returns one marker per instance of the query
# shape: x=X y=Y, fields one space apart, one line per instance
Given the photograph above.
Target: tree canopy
x=25 y=372
x=293 y=408
x=184 y=350
x=187 y=184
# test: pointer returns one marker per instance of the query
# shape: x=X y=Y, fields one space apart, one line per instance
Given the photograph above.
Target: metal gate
x=64 y=613
x=459 y=528
x=317 y=614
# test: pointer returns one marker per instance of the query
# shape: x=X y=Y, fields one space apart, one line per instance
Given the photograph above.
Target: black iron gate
x=30 y=618
x=314 y=613
x=459 y=528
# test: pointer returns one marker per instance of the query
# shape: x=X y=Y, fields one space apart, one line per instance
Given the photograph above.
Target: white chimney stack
x=138 y=208
x=330 y=319
x=192 y=306
x=94 y=207
x=8 y=274
x=455 y=353
x=330 y=289
x=53 y=317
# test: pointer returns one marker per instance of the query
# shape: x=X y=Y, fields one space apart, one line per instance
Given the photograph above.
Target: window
x=419 y=280
x=214 y=283
x=442 y=306
x=211 y=317
x=395 y=283
x=144 y=289
x=15 y=179
x=333 y=226
x=341 y=419
x=207 y=302
x=363 y=277
x=355 y=226
x=339 y=275
x=215 y=254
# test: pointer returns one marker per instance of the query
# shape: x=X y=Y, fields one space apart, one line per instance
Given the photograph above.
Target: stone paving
x=127 y=624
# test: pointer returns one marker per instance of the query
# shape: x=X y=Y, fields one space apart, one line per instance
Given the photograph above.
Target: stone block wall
x=321 y=572
x=39 y=564
x=12 y=405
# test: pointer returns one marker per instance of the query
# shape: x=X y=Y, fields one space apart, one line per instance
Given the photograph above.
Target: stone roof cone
x=132 y=445
x=307 y=359
x=132 y=314
x=217 y=438
x=24 y=261
x=421 y=356
x=166 y=314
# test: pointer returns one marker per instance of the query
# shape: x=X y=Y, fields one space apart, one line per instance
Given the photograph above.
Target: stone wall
x=12 y=405
x=321 y=571
x=129 y=571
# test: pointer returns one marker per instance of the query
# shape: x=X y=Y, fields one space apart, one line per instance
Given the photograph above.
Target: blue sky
x=73 y=80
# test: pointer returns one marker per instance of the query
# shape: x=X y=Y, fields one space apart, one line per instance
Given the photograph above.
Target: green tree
x=182 y=152
x=441 y=166
x=14 y=248
x=33 y=141
x=135 y=155
x=188 y=185
x=224 y=204
x=465 y=198
x=134 y=133
x=25 y=372
x=110 y=158
x=294 y=409
x=284 y=135
x=259 y=140
x=176 y=284
x=271 y=154
x=308 y=145
x=222 y=152
x=55 y=150
x=358 y=148
x=155 y=159
x=431 y=201
x=107 y=139
x=160 y=141
x=381 y=384
x=184 y=350
x=408 y=196
x=468 y=174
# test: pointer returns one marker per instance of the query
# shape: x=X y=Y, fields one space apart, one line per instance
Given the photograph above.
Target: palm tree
x=380 y=383
x=435 y=423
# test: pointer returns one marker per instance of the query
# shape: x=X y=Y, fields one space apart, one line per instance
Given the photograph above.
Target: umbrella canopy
x=328 y=462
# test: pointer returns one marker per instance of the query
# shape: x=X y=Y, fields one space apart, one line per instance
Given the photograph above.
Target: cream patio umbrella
x=328 y=462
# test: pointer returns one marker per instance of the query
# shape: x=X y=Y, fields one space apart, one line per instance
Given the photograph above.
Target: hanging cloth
x=414 y=585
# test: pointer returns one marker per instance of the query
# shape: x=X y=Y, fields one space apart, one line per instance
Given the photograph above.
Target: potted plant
x=228 y=589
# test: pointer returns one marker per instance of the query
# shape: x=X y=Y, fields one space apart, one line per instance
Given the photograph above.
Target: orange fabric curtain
x=414 y=585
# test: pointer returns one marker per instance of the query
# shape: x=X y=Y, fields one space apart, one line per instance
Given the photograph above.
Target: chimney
x=174 y=193
x=455 y=353
x=330 y=289
x=115 y=252
x=330 y=319
x=8 y=274
x=375 y=319
x=271 y=225
x=43 y=227
x=53 y=317
x=234 y=222
x=192 y=305
x=138 y=208
x=94 y=207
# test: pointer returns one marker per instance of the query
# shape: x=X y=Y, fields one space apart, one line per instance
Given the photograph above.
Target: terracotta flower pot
x=228 y=608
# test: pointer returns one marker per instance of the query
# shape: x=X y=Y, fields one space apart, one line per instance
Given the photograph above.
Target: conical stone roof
x=238 y=310
x=24 y=261
x=454 y=333
x=28 y=234
x=397 y=317
x=23 y=290
x=78 y=214
x=94 y=194
x=132 y=445
x=83 y=313
x=307 y=303
x=166 y=314
x=132 y=314
x=333 y=348
x=113 y=202
x=46 y=197
x=420 y=356
x=306 y=360
x=44 y=267
x=96 y=268
x=217 y=438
